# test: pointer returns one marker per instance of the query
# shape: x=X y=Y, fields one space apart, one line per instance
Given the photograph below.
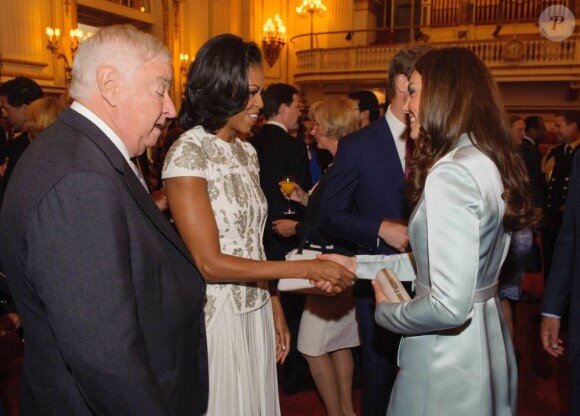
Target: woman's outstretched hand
x=346 y=261
x=330 y=277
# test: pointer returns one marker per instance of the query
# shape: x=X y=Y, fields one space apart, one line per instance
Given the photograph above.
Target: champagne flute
x=287 y=184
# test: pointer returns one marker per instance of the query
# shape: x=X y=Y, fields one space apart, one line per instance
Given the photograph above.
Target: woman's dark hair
x=217 y=82
x=459 y=95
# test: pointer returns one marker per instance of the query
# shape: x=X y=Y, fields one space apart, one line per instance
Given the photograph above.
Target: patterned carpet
x=543 y=380
x=543 y=388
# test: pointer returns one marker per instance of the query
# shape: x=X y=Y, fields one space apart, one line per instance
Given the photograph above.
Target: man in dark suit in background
x=364 y=203
x=535 y=131
x=368 y=106
x=15 y=96
x=280 y=154
x=109 y=297
x=563 y=289
x=11 y=353
x=556 y=166
x=6 y=130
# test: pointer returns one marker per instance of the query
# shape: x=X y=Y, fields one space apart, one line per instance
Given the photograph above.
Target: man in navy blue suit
x=562 y=291
x=364 y=203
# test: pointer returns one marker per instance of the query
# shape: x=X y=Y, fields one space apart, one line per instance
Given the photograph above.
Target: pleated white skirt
x=242 y=363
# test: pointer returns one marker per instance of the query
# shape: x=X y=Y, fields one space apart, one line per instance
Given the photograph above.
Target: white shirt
x=116 y=140
x=81 y=109
x=398 y=129
x=277 y=123
x=530 y=140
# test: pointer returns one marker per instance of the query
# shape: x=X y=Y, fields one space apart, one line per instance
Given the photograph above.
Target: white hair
x=121 y=46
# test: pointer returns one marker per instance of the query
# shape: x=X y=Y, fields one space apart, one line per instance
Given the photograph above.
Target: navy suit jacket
x=110 y=299
x=563 y=283
x=365 y=186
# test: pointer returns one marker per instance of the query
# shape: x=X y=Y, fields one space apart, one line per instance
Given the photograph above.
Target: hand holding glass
x=287 y=184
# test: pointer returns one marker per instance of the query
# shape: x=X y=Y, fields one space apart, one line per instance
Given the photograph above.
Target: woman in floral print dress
x=213 y=190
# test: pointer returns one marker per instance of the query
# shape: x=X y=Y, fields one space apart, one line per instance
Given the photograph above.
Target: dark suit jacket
x=6 y=302
x=109 y=296
x=558 y=164
x=280 y=154
x=365 y=187
x=12 y=150
x=563 y=283
x=533 y=161
x=309 y=230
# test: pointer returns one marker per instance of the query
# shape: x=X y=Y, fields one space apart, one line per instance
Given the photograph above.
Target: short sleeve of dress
x=186 y=157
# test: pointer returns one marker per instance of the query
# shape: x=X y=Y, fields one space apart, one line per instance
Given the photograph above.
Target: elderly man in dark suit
x=364 y=203
x=109 y=296
x=563 y=288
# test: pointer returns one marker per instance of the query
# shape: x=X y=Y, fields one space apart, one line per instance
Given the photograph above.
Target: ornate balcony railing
x=142 y=5
x=449 y=12
x=512 y=59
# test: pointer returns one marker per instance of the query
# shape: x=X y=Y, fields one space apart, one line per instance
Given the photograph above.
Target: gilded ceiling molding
x=24 y=62
x=31 y=75
x=176 y=17
x=165 y=22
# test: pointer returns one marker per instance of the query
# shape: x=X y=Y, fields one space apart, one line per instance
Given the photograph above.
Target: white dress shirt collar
x=81 y=109
x=398 y=129
x=530 y=140
x=277 y=123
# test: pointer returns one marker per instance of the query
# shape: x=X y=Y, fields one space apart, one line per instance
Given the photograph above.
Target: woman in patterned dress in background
x=213 y=190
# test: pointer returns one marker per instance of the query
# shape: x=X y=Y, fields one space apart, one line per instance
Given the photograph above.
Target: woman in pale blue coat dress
x=469 y=189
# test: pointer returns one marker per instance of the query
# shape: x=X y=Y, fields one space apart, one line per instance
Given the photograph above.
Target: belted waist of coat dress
x=481 y=295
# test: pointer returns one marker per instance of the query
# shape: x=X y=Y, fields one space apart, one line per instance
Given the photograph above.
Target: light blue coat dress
x=456 y=357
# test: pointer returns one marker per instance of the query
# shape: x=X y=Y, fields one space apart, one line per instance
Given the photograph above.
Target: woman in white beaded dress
x=213 y=191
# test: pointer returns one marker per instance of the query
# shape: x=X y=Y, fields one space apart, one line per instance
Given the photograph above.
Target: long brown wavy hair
x=459 y=95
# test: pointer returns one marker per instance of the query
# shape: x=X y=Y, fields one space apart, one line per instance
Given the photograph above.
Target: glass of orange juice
x=287 y=184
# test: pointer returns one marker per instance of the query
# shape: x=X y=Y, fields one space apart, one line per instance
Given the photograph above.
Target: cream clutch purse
x=392 y=286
